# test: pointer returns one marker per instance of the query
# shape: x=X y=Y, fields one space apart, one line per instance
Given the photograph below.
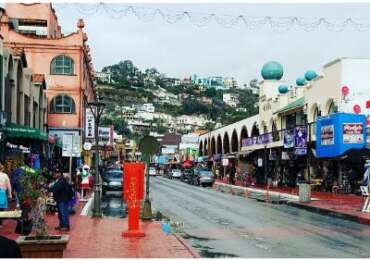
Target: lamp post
x=97 y=109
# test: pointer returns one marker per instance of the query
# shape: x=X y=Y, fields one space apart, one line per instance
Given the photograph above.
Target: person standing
x=9 y=248
x=5 y=188
x=60 y=190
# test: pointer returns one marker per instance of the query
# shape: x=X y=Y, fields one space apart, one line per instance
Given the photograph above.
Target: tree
x=210 y=92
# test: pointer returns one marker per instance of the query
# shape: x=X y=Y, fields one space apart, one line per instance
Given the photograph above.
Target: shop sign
x=353 y=133
x=225 y=162
x=71 y=145
x=289 y=138
x=327 y=135
x=261 y=139
x=300 y=140
x=105 y=135
x=20 y=147
x=87 y=146
x=89 y=123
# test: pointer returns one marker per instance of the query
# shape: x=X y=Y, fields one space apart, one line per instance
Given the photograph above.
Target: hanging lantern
x=357 y=109
x=345 y=91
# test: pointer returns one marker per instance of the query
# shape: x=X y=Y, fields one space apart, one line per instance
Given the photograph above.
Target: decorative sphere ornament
x=345 y=91
x=310 y=75
x=283 y=89
x=357 y=109
x=272 y=70
x=300 y=81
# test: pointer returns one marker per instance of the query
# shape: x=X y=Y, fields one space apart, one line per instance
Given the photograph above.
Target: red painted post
x=133 y=192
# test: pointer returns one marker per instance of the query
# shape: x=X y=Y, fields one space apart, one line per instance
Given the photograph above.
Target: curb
x=191 y=250
x=331 y=213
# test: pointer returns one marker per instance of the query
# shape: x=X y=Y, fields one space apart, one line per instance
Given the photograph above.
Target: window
x=63 y=65
x=62 y=104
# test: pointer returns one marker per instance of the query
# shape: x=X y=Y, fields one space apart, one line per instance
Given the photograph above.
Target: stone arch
x=274 y=131
x=219 y=144
x=213 y=145
x=255 y=130
x=201 y=148
x=234 y=142
x=243 y=134
x=206 y=148
x=226 y=143
x=330 y=106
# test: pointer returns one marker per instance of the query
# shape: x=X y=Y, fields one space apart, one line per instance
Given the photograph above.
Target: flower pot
x=45 y=247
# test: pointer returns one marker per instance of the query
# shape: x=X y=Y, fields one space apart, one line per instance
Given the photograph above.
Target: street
x=223 y=225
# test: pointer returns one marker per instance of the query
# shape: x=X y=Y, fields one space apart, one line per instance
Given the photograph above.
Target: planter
x=46 y=247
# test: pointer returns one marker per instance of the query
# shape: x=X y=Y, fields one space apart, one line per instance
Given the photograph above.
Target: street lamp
x=97 y=109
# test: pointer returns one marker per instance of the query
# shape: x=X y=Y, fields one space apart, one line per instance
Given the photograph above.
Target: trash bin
x=304 y=192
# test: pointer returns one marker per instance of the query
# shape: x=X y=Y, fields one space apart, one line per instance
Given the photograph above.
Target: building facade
x=289 y=112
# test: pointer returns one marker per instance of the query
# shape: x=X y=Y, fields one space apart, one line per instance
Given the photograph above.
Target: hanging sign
x=353 y=133
x=89 y=123
x=300 y=140
x=327 y=135
x=289 y=138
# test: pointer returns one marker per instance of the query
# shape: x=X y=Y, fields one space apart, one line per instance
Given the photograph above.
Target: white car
x=176 y=173
x=152 y=171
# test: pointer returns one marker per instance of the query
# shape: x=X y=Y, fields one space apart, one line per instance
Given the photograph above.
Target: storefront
x=341 y=150
x=22 y=144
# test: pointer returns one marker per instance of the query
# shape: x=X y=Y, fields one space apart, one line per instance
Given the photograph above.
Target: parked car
x=152 y=171
x=203 y=177
x=176 y=173
x=112 y=180
x=186 y=175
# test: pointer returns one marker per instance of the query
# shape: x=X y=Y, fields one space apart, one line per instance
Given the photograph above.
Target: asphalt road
x=223 y=225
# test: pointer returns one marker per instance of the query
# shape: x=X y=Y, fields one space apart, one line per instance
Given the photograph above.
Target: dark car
x=112 y=180
x=186 y=176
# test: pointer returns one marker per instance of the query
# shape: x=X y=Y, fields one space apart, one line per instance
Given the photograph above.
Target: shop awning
x=295 y=104
x=20 y=131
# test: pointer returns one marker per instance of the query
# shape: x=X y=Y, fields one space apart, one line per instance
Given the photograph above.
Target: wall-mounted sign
x=338 y=133
x=89 y=123
x=353 y=133
x=327 y=135
x=105 y=135
x=20 y=148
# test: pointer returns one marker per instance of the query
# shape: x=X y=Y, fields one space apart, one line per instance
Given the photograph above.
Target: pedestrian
x=61 y=193
x=5 y=188
x=17 y=185
x=9 y=248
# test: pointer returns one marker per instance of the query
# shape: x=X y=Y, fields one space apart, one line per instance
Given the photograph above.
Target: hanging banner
x=89 y=123
x=300 y=140
x=289 y=138
x=353 y=133
x=327 y=135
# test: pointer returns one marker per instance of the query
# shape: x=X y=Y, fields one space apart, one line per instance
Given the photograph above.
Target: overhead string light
x=278 y=24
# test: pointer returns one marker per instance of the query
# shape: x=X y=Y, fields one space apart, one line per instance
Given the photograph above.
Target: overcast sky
x=183 y=49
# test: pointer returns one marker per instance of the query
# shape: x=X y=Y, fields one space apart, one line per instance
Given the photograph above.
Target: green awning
x=20 y=131
x=295 y=104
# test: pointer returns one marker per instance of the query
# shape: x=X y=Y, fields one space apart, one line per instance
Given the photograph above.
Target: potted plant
x=41 y=244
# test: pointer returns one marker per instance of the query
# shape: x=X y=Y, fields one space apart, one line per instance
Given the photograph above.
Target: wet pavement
x=113 y=205
x=223 y=225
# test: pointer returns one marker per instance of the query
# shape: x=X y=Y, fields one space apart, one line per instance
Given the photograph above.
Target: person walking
x=61 y=194
x=5 y=188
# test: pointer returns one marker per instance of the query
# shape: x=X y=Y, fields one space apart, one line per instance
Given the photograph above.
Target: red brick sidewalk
x=98 y=238
x=347 y=206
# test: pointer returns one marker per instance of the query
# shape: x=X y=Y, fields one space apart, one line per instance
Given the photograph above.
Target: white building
x=103 y=77
x=230 y=99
